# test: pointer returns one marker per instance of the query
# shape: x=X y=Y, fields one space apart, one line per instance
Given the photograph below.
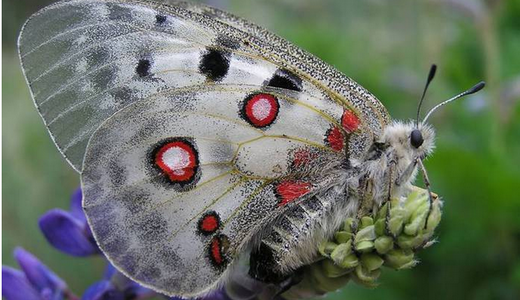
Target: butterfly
x=201 y=138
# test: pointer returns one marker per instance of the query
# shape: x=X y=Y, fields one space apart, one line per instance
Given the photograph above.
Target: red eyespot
x=178 y=160
x=260 y=110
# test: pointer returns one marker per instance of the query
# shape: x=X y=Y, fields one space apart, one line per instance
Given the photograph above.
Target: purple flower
x=69 y=231
x=34 y=282
x=116 y=286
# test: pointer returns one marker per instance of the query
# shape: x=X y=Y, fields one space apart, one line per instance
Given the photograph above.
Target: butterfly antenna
x=477 y=87
x=433 y=69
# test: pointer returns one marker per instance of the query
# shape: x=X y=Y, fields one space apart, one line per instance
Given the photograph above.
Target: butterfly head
x=406 y=144
x=408 y=140
x=420 y=135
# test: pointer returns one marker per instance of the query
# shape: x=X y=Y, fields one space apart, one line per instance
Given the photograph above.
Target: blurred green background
x=386 y=46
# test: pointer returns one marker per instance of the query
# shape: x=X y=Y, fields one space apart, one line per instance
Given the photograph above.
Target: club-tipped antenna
x=433 y=69
x=477 y=87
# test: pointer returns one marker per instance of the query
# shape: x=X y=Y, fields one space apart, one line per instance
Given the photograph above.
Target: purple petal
x=76 y=208
x=15 y=285
x=67 y=233
x=37 y=273
x=110 y=271
x=130 y=288
x=137 y=291
x=102 y=290
x=217 y=295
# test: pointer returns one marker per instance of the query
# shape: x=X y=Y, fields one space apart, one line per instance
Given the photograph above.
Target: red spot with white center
x=260 y=110
x=350 y=121
x=335 y=138
x=178 y=160
x=209 y=223
x=290 y=190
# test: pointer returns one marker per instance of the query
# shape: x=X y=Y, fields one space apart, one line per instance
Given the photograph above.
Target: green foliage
x=387 y=46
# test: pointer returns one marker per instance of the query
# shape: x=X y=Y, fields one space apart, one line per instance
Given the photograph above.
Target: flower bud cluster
x=390 y=237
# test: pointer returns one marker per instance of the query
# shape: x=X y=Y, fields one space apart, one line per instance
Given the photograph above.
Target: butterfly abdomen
x=292 y=240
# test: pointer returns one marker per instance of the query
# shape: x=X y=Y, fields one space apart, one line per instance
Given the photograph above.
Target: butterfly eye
x=416 y=138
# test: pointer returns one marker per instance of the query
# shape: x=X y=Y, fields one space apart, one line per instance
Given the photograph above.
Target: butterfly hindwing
x=179 y=184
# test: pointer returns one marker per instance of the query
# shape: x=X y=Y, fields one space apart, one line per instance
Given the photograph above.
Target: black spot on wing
x=214 y=64
x=286 y=80
x=143 y=67
x=160 y=19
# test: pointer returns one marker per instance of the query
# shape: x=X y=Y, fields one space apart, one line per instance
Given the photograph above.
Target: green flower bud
x=342 y=236
x=409 y=242
x=326 y=248
x=380 y=227
x=333 y=270
x=435 y=216
x=395 y=224
x=366 y=221
x=417 y=219
x=363 y=241
x=371 y=261
x=322 y=282
x=365 y=246
x=383 y=244
x=349 y=224
x=349 y=262
x=366 y=234
x=400 y=259
x=366 y=277
x=383 y=210
x=341 y=251
x=415 y=199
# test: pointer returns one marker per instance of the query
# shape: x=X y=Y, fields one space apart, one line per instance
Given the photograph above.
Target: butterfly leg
x=366 y=195
x=428 y=187
x=390 y=181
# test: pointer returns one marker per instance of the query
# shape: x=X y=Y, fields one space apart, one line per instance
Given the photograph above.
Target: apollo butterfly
x=202 y=139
